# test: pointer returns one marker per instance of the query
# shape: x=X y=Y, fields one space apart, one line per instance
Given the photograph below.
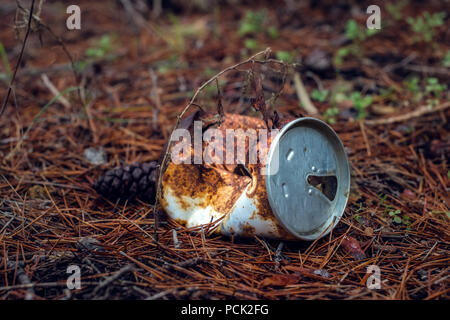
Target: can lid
x=307 y=178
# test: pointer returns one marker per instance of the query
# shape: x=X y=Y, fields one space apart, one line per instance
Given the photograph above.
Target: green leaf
x=319 y=95
x=352 y=30
x=252 y=22
x=397 y=219
x=446 y=61
x=273 y=32
x=251 y=44
x=94 y=53
x=285 y=56
x=5 y=60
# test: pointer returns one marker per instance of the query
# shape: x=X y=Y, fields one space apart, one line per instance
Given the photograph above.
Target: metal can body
x=232 y=199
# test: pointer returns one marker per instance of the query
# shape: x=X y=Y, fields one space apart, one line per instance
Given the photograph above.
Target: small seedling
x=361 y=103
x=412 y=84
x=319 y=95
x=285 y=56
x=446 y=61
x=273 y=32
x=434 y=87
x=357 y=34
x=382 y=198
x=395 y=216
x=395 y=10
x=398 y=219
x=357 y=216
x=252 y=23
x=424 y=26
x=330 y=115
x=353 y=31
x=100 y=49
x=251 y=44
x=341 y=54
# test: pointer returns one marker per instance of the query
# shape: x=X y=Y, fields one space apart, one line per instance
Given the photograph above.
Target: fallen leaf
x=281 y=280
x=352 y=246
x=408 y=194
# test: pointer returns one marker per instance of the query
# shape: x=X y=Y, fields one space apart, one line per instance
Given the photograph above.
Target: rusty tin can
x=298 y=191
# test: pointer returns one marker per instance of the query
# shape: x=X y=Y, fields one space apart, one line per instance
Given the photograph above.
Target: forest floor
x=385 y=94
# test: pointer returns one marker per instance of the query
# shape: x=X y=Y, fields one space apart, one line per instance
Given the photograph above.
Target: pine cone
x=129 y=182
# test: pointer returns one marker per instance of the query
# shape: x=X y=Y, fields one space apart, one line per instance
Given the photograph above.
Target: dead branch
x=55 y=91
x=303 y=95
x=421 y=111
x=11 y=82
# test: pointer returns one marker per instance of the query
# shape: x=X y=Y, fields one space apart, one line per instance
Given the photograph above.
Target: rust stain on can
x=213 y=187
x=213 y=190
x=234 y=197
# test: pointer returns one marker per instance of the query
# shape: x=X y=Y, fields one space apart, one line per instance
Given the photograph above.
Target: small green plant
x=5 y=60
x=361 y=103
x=353 y=31
x=252 y=22
x=319 y=95
x=357 y=215
x=273 y=32
x=382 y=199
x=251 y=44
x=395 y=9
x=424 y=26
x=285 y=56
x=330 y=115
x=357 y=34
x=434 y=87
x=398 y=219
x=446 y=61
x=342 y=53
x=100 y=49
x=412 y=84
